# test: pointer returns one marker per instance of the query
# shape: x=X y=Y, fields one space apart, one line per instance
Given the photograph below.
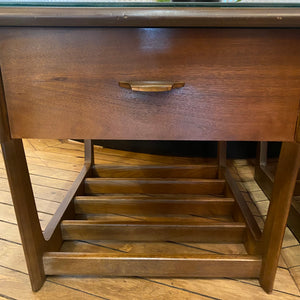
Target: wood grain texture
x=152 y=265
x=25 y=209
x=155 y=248
x=16 y=284
x=297 y=188
x=265 y=179
x=243 y=207
x=239 y=86
x=52 y=233
x=169 y=229
x=294 y=219
x=139 y=205
x=208 y=171
x=155 y=218
x=154 y=186
x=264 y=176
x=242 y=213
x=4 y=125
x=282 y=193
x=22 y=198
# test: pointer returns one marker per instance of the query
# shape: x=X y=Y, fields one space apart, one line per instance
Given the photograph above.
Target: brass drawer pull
x=151 y=86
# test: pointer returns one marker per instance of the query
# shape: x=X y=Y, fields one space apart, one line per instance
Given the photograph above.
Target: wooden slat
x=196 y=218
x=243 y=207
x=155 y=171
x=194 y=265
x=65 y=210
x=167 y=248
x=169 y=230
x=154 y=186
x=297 y=188
x=139 y=205
x=294 y=219
x=52 y=233
x=264 y=176
x=264 y=179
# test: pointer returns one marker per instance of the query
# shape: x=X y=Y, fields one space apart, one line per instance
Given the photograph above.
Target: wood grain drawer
x=240 y=84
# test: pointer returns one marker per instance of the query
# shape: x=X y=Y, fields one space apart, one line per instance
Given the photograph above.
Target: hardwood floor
x=53 y=165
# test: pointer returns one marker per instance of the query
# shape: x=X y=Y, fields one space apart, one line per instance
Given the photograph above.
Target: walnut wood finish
x=294 y=218
x=243 y=213
x=233 y=79
x=154 y=186
x=169 y=229
x=221 y=157
x=238 y=86
x=284 y=183
x=23 y=198
x=152 y=266
x=154 y=204
x=25 y=209
x=265 y=178
x=34 y=243
x=297 y=188
x=152 y=171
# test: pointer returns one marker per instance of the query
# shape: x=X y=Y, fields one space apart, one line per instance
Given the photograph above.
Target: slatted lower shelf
x=59 y=263
x=150 y=221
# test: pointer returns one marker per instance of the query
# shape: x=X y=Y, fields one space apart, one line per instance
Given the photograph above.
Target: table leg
x=22 y=197
x=284 y=183
x=25 y=209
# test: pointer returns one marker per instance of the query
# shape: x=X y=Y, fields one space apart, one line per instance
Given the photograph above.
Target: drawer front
x=240 y=84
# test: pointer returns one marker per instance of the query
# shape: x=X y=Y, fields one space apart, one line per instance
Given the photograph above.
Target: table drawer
x=240 y=84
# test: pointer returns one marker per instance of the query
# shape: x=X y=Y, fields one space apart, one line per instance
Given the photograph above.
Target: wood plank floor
x=53 y=165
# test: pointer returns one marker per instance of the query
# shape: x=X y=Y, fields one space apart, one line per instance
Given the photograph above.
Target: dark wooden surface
x=50 y=164
x=164 y=171
x=152 y=266
x=238 y=85
x=243 y=213
x=25 y=209
x=151 y=17
x=155 y=204
x=166 y=229
x=264 y=175
x=294 y=217
x=154 y=186
x=22 y=197
x=284 y=183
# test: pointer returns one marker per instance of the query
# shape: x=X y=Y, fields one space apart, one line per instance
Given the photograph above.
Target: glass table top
x=151 y=3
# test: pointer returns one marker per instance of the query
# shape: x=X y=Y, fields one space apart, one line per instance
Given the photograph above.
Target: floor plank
x=15 y=285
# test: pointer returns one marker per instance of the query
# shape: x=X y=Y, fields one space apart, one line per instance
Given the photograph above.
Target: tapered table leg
x=284 y=183
x=25 y=209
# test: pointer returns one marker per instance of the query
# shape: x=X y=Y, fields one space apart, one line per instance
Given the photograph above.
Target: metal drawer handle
x=151 y=86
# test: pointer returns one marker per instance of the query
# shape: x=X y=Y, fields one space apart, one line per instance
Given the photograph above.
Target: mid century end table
x=151 y=71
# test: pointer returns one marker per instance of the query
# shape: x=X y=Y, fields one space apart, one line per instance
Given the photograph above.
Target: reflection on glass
x=140 y=3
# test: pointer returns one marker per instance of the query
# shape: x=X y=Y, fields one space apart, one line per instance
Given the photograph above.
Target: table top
x=153 y=3
x=94 y=13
